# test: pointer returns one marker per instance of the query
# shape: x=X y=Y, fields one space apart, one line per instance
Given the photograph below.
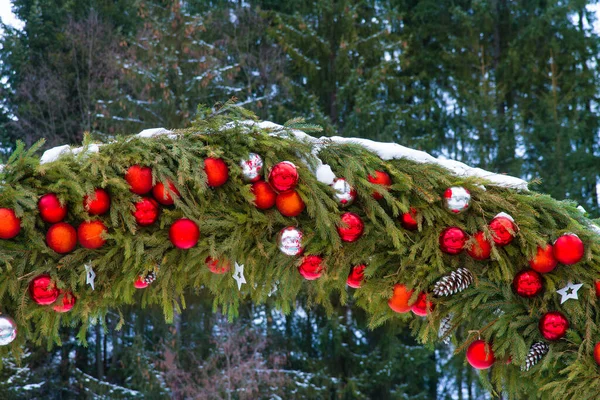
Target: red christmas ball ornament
x=452 y=240
x=283 y=176
x=380 y=178
x=163 y=195
x=351 y=227
x=480 y=355
x=91 y=234
x=67 y=303
x=98 y=203
x=184 y=233
x=553 y=325
x=597 y=285
x=597 y=353
x=43 y=290
x=289 y=203
x=61 y=237
x=50 y=208
x=140 y=283
x=344 y=193
x=311 y=267
x=544 y=260
x=409 y=220
x=10 y=225
x=264 y=195
x=216 y=171
x=568 y=249
x=503 y=229
x=216 y=266
x=289 y=241
x=480 y=248
x=356 y=276
x=146 y=211
x=399 y=300
x=139 y=179
x=252 y=167
x=421 y=306
x=528 y=283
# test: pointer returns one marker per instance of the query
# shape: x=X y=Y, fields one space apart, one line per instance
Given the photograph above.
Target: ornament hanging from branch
x=252 y=167
x=238 y=275
x=457 y=199
x=8 y=330
x=569 y=291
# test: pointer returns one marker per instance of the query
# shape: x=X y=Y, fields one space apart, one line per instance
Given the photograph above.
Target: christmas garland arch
x=462 y=254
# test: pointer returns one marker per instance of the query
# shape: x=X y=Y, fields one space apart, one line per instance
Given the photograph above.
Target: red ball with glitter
x=528 y=283
x=356 y=276
x=568 y=249
x=351 y=227
x=311 y=267
x=480 y=355
x=164 y=193
x=409 y=220
x=283 y=176
x=98 y=203
x=66 y=303
x=184 y=233
x=43 y=290
x=139 y=179
x=146 y=211
x=380 y=178
x=50 y=208
x=553 y=325
x=10 y=225
x=452 y=240
x=480 y=248
x=503 y=229
x=216 y=171
x=544 y=260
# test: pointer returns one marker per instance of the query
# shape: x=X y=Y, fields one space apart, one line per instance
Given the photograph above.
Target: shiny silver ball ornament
x=344 y=193
x=457 y=199
x=252 y=167
x=8 y=330
x=289 y=241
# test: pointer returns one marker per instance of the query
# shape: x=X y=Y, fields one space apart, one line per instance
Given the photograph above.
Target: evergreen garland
x=232 y=228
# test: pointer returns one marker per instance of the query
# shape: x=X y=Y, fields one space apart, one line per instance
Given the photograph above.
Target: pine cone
x=150 y=277
x=455 y=282
x=445 y=326
x=536 y=352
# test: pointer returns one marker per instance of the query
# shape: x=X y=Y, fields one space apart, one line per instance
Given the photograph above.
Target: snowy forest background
x=510 y=86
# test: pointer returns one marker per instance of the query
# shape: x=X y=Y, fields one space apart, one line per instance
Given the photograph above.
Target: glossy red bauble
x=61 y=237
x=597 y=353
x=544 y=260
x=146 y=211
x=452 y=240
x=164 y=194
x=50 y=208
x=140 y=283
x=10 y=225
x=264 y=195
x=351 y=227
x=311 y=267
x=597 y=285
x=553 y=325
x=283 y=176
x=139 y=179
x=399 y=300
x=503 y=230
x=289 y=203
x=568 y=249
x=422 y=304
x=528 y=283
x=98 y=203
x=480 y=248
x=184 y=233
x=66 y=304
x=356 y=276
x=409 y=220
x=380 y=178
x=216 y=171
x=480 y=355
x=216 y=266
x=43 y=290
x=91 y=234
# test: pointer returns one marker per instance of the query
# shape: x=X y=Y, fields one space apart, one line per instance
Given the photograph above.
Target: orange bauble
x=289 y=203
x=544 y=260
x=216 y=170
x=163 y=195
x=399 y=300
x=10 y=225
x=139 y=179
x=90 y=234
x=61 y=238
x=264 y=195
